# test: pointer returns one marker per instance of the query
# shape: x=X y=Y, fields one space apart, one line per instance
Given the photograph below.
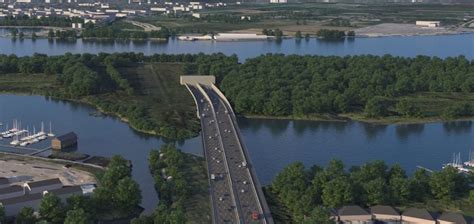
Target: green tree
x=337 y=192
x=128 y=194
x=14 y=33
x=375 y=107
x=77 y=216
x=21 y=35
x=51 y=208
x=26 y=216
x=34 y=36
x=407 y=108
x=471 y=197
x=50 y=34
x=2 y=214
x=447 y=183
x=298 y=35
x=319 y=215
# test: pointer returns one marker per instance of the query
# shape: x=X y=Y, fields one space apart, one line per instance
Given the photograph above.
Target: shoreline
x=358 y=118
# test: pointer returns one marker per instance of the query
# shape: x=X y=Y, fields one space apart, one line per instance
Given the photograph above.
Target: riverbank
x=361 y=118
x=398 y=29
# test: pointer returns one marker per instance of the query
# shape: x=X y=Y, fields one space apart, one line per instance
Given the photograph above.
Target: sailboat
x=457 y=164
x=16 y=141
x=50 y=134
x=470 y=162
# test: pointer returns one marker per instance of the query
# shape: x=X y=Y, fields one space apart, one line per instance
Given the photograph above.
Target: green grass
x=122 y=25
x=431 y=104
x=197 y=208
x=31 y=84
x=157 y=88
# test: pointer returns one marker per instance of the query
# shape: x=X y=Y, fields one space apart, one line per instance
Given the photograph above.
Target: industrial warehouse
x=15 y=196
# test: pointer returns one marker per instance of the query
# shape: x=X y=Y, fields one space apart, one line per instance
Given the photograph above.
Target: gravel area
x=34 y=170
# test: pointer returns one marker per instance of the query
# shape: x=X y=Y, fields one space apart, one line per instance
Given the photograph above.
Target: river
x=408 y=46
x=272 y=144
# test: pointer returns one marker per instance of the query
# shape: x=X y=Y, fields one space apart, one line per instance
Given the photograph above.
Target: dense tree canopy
x=278 y=85
x=308 y=193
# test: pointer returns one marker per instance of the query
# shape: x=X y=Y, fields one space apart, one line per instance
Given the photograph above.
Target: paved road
x=235 y=191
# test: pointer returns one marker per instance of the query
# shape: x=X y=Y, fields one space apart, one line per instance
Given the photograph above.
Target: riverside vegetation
x=142 y=90
x=300 y=195
x=181 y=182
x=145 y=90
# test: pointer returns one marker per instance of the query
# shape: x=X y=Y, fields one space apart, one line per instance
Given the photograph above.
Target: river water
x=410 y=46
x=272 y=144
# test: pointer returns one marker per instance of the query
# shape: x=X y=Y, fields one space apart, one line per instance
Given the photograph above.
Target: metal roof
x=11 y=189
x=68 y=136
x=418 y=213
x=67 y=190
x=453 y=217
x=42 y=183
x=383 y=209
x=352 y=210
x=4 y=180
x=23 y=198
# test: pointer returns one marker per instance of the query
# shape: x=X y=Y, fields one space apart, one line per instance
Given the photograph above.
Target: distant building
x=77 y=25
x=42 y=185
x=428 y=23
x=354 y=214
x=385 y=214
x=417 y=215
x=452 y=218
x=64 y=141
x=278 y=1
x=196 y=15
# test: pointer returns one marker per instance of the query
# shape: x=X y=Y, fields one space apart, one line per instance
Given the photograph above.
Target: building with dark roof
x=43 y=185
x=385 y=213
x=65 y=192
x=418 y=216
x=4 y=182
x=452 y=218
x=11 y=192
x=14 y=205
x=64 y=141
x=354 y=214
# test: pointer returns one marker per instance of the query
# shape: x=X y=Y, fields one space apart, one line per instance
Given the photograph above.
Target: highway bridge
x=236 y=195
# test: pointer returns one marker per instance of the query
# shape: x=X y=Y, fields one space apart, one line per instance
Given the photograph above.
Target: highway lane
x=224 y=209
x=236 y=196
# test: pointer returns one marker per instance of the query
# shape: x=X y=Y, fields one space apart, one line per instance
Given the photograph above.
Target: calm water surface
x=441 y=46
x=272 y=144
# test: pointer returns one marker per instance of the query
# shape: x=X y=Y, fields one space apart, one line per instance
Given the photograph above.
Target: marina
x=18 y=138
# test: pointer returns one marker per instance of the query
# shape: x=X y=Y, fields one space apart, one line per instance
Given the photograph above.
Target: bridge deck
x=235 y=191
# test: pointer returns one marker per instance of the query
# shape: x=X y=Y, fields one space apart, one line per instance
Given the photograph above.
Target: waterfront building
x=417 y=215
x=42 y=185
x=385 y=214
x=354 y=214
x=64 y=141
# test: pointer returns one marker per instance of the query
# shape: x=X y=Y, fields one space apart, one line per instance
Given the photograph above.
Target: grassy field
x=432 y=105
x=310 y=17
x=32 y=84
x=157 y=87
x=197 y=207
